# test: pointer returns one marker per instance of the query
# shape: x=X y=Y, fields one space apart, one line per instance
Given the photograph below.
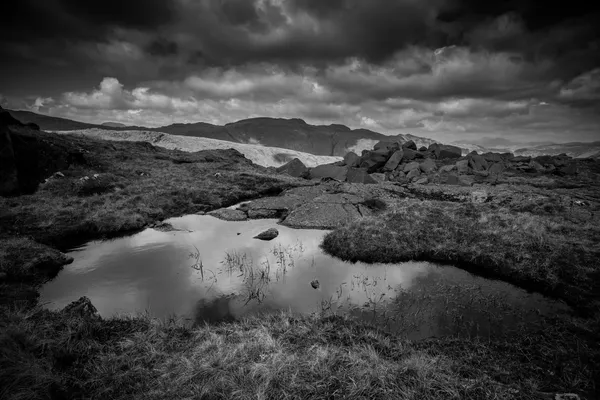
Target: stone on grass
x=422 y=181
x=269 y=234
x=82 y=308
x=447 y=168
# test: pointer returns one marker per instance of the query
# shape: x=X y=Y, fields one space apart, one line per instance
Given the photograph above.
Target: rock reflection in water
x=212 y=270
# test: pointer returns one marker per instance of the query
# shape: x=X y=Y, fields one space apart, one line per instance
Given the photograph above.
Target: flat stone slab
x=321 y=215
x=269 y=234
x=228 y=214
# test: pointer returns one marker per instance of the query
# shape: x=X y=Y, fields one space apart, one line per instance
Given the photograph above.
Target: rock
x=393 y=161
x=410 y=145
x=481 y=173
x=228 y=214
x=443 y=151
x=473 y=153
x=566 y=396
x=82 y=308
x=329 y=171
x=462 y=167
x=422 y=149
x=388 y=146
x=411 y=166
x=492 y=157
x=466 y=180
x=269 y=234
x=379 y=177
x=497 y=168
x=451 y=180
x=408 y=154
x=263 y=213
x=422 y=181
x=477 y=163
x=412 y=174
x=323 y=215
x=315 y=284
x=374 y=160
x=352 y=159
x=295 y=168
x=163 y=227
x=359 y=175
x=427 y=166
x=479 y=196
x=447 y=168
x=569 y=169
x=518 y=159
x=534 y=165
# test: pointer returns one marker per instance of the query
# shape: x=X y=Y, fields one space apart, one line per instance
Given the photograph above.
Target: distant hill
x=296 y=134
x=113 y=125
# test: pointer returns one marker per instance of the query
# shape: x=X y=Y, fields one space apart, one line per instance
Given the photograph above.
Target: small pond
x=212 y=270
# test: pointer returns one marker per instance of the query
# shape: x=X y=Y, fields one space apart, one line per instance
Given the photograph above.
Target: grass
x=47 y=354
x=547 y=253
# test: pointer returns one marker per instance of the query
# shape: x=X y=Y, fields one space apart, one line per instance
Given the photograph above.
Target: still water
x=212 y=270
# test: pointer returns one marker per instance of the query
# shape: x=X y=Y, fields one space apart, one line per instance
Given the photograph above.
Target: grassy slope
x=47 y=354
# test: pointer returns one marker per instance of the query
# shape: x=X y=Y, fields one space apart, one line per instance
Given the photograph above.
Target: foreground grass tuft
x=546 y=253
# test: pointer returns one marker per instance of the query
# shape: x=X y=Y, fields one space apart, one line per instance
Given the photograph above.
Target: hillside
x=261 y=155
x=295 y=134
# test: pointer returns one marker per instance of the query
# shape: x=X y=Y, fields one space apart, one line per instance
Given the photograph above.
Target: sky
x=489 y=72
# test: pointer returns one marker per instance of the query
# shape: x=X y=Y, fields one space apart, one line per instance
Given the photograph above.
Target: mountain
x=114 y=124
x=295 y=134
x=48 y=123
x=261 y=155
x=573 y=149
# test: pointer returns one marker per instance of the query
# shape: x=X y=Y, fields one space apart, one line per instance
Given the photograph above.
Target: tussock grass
x=268 y=356
x=546 y=253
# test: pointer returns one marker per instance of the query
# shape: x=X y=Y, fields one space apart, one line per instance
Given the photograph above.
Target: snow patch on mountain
x=261 y=155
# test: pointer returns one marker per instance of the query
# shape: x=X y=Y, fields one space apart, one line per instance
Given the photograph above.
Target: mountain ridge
x=295 y=134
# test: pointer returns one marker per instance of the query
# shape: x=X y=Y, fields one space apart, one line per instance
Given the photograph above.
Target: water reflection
x=213 y=270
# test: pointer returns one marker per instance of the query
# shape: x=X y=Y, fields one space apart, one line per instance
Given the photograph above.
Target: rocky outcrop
x=82 y=308
x=228 y=214
x=443 y=151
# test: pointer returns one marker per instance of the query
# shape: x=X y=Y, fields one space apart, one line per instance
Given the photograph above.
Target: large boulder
x=359 y=175
x=393 y=161
x=443 y=151
x=410 y=145
x=352 y=159
x=427 y=166
x=386 y=145
x=329 y=171
x=497 y=168
x=493 y=157
x=295 y=168
x=374 y=160
x=477 y=163
x=422 y=149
